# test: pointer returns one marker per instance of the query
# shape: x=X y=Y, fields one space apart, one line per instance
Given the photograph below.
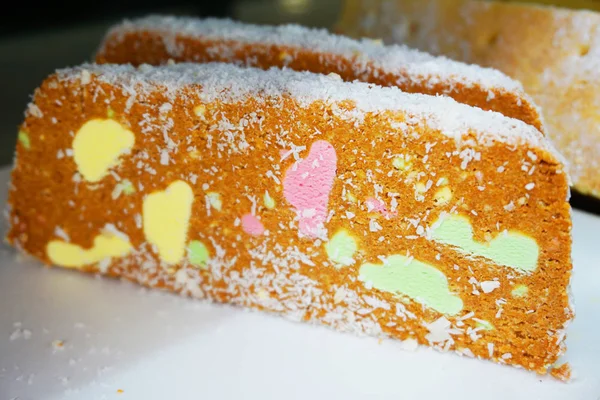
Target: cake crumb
x=58 y=345
x=562 y=372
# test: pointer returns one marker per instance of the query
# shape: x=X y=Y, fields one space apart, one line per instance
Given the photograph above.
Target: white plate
x=154 y=345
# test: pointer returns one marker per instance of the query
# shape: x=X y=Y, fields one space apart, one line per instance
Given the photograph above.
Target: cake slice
x=363 y=208
x=554 y=52
x=158 y=39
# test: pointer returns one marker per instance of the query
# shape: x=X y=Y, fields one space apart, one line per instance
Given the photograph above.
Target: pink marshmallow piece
x=251 y=225
x=307 y=185
x=374 y=204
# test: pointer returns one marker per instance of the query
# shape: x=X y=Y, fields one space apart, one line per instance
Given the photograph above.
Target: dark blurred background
x=36 y=39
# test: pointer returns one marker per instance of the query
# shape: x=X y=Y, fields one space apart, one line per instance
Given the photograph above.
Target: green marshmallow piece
x=198 y=253
x=215 y=200
x=341 y=248
x=23 y=137
x=110 y=113
x=127 y=186
x=269 y=201
x=511 y=249
x=486 y=325
x=420 y=281
x=519 y=291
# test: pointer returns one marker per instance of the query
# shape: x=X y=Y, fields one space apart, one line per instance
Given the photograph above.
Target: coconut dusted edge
x=157 y=39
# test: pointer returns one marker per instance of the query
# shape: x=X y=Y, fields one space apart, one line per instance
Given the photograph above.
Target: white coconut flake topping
x=489 y=286
x=366 y=53
x=230 y=84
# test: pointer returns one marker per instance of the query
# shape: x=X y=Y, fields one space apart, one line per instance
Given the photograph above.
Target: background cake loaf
x=554 y=52
x=158 y=39
x=360 y=207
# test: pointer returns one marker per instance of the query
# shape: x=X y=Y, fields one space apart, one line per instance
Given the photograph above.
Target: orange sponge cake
x=360 y=207
x=554 y=52
x=157 y=39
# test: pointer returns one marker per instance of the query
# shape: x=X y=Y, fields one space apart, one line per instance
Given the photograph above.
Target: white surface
x=154 y=345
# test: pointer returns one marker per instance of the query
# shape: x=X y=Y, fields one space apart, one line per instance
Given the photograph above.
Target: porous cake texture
x=356 y=206
x=156 y=39
x=554 y=52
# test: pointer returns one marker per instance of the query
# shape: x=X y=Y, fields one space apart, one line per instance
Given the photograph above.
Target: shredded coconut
x=229 y=83
x=366 y=54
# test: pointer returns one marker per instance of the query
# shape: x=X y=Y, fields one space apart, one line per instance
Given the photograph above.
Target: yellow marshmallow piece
x=166 y=216
x=106 y=245
x=97 y=146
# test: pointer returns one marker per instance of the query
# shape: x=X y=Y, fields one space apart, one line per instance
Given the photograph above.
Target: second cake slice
x=157 y=39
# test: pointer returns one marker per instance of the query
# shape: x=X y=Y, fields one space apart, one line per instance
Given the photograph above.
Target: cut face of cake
x=554 y=52
x=158 y=39
x=351 y=205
